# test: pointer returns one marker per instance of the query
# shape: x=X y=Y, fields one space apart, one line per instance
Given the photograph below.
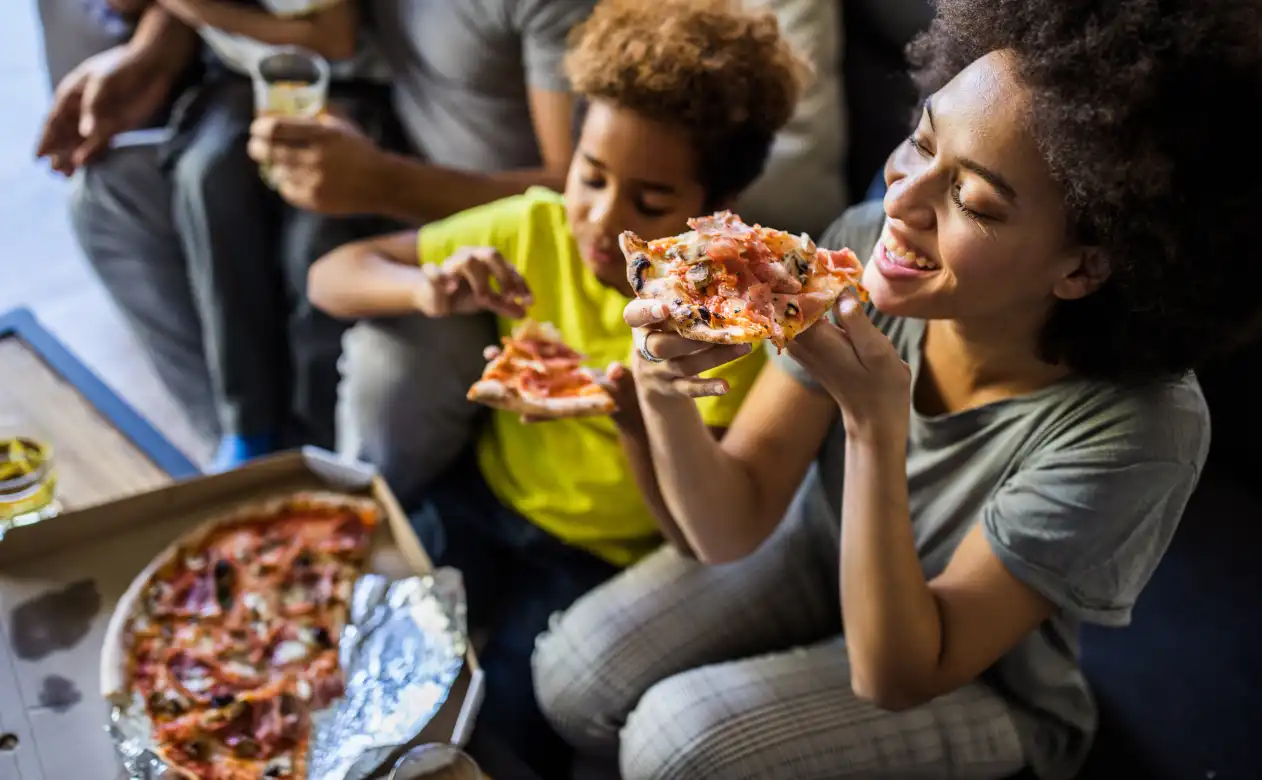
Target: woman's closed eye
x=968 y=212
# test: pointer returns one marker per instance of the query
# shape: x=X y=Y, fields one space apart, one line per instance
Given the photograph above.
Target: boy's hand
x=462 y=285
x=620 y=383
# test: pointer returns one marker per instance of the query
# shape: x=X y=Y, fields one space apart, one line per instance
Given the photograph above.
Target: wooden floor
x=41 y=267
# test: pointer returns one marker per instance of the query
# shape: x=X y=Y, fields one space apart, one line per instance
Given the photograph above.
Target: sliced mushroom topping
x=699 y=275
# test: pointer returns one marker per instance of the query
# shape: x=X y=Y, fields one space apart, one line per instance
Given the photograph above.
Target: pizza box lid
x=60 y=579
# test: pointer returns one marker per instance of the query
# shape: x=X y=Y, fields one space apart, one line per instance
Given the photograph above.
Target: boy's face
x=628 y=173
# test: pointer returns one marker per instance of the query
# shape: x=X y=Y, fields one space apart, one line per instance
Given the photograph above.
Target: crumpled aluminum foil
x=401 y=653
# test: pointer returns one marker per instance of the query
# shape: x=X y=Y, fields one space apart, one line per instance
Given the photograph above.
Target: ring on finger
x=642 y=345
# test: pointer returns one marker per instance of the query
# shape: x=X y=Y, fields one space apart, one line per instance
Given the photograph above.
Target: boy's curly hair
x=1138 y=107
x=725 y=75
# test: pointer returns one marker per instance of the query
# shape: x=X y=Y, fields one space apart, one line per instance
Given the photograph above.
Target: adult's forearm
x=332 y=36
x=709 y=493
x=635 y=443
x=165 y=41
x=893 y=628
x=416 y=192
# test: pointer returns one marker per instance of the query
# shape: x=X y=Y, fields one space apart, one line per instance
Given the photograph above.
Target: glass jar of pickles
x=28 y=483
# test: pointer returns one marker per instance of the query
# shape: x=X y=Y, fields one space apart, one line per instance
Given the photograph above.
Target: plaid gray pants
x=683 y=671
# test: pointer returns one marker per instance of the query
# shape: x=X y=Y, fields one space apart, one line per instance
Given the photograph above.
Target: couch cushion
x=802 y=189
x=74 y=30
x=879 y=93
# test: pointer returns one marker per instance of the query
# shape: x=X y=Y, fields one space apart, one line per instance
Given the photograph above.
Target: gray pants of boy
x=680 y=671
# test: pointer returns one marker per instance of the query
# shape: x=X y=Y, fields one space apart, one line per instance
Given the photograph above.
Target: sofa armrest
x=74 y=30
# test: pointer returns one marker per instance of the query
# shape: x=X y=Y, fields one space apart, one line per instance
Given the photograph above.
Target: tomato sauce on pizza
x=232 y=644
x=731 y=283
x=536 y=373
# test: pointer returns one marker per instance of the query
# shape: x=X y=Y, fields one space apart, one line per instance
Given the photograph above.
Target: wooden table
x=102 y=449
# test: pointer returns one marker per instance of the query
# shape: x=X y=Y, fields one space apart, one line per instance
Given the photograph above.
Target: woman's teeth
x=906 y=257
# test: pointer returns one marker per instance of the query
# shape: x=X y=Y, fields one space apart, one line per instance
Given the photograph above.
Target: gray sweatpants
x=679 y=671
x=120 y=210
x=402 y=395
x=210 y=267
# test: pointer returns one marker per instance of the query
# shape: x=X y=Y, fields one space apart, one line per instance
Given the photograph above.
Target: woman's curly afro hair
x=1138 y=107
x=725 y=75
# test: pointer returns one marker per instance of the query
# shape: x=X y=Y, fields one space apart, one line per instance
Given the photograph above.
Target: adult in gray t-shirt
x=479 y=91
x=1078 y=488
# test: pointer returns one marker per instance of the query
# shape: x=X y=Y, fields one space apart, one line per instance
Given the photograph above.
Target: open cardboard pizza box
x=60 y=579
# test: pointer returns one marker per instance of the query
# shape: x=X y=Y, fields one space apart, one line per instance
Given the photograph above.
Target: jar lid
x=23 y=463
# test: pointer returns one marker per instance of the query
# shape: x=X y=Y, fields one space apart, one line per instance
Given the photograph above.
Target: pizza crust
x=512 y=360
x=497 y=395
x=115 y=669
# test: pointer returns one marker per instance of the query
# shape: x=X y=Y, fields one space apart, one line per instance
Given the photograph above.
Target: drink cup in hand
x=290 y=82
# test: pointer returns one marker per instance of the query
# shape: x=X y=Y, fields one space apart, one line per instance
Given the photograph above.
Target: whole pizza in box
x=228 y=639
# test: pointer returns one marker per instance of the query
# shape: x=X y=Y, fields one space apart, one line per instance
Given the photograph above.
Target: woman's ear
x=1090 y=271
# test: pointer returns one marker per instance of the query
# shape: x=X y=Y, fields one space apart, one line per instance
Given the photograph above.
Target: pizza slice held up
x=536 y=374
x=730 y=283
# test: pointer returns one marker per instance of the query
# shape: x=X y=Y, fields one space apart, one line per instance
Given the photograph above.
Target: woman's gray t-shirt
x=1078 y=487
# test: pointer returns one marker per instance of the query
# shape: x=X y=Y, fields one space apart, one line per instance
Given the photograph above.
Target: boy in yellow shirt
x=683 y=101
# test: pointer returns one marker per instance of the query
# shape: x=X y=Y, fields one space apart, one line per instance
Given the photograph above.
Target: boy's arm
x=378 y=277
x=332 y=31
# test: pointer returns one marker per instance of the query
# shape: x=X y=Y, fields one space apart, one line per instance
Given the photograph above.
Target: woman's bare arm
x=728 y=496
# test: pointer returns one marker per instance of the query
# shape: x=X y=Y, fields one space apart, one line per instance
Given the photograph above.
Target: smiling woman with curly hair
x=918 y=507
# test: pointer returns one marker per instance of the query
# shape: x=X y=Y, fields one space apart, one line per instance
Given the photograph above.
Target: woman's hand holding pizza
x=665 y=363
x=860 y=369
x=462 y=284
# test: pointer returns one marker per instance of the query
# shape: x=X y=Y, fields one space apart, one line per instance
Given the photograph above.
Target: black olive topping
x=639 y=264
x=222 y=700
x=322 y=637
x=222 y=569
x=705 y=314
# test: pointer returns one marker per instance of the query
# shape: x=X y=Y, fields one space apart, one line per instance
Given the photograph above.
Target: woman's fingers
x=665 y=345
x=491 y=352
x=705 y=360
x=868 y=342
x=642 y=313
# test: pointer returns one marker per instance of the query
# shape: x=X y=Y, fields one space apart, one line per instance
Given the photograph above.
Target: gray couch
x=1177 y=688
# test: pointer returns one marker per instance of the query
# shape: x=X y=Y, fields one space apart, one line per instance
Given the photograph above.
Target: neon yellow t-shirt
x=569 y=477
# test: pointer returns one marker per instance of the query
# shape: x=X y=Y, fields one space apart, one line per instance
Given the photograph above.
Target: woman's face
x=975 y=225
x=628 y=173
